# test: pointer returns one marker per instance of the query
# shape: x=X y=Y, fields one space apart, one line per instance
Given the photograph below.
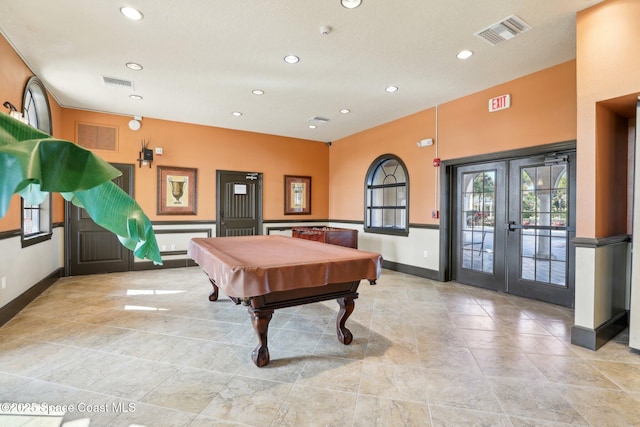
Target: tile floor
x=148 y=348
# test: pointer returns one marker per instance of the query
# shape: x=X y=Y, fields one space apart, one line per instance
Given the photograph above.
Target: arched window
x=387 y=196
x=36 y=219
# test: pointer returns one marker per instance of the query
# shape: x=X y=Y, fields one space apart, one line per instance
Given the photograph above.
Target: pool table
x=269 y=272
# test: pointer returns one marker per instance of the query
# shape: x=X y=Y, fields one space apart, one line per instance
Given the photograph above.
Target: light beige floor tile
x=393 y=382
x=530 y=422
x=501 y=363
x=571 y=370
x=375 y=411
x=331 y=373
x=248 y=400
x=189 y=390
x=625 y=375
x=535 y=399
x=219 y=357
x=312 y=324
x=134 y=378
x=460 y=390
x=446 y=416
x=292 y=340
x=383 y=350
x=152 y=339
x=542 y=345
x=604 y=407
x=315 y=407
x=330 y=345
x=139 y=414
x=466 y=321
x=497 y=339
x=445 y=358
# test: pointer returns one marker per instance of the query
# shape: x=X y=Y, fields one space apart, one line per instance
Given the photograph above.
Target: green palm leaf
x=33 y=164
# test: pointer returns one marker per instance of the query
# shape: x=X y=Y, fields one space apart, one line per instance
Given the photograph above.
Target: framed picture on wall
x=177 y=190
x=297 y=195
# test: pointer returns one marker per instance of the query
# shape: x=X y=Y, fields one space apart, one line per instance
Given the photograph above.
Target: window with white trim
x=36 y=219
x=387 y=196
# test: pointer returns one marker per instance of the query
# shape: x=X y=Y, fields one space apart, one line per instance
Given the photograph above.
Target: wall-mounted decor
x=177 y=190
x=297 y=195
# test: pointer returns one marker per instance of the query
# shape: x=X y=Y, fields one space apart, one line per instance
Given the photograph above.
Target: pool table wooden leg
x=260 y=320
x=346 y=308
x=213 y=296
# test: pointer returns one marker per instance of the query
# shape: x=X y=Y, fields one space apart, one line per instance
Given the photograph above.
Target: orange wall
x=611 y=151
x=543 y=111
x=607 y=36
x=351 y=157
x=209 y=149
x=13 y=79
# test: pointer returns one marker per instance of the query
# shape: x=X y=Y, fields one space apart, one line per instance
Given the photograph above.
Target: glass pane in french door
x=478 y=221
x=543 y=241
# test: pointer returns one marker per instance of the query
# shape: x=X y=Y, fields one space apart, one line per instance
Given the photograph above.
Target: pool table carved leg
x=213 y=296
x=260 y=320
x=346 y=308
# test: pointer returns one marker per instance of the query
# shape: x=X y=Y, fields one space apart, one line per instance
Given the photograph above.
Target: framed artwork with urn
x=177 y=190
x=297 y=195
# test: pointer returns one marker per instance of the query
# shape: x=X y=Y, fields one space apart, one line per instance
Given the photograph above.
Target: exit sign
x=499 y=103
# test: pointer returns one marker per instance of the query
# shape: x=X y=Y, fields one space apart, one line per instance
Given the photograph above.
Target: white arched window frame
x=36 y=219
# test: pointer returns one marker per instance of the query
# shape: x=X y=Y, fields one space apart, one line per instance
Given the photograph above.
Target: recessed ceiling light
x=136 y=97
x=392 y=89
x=350 y=4
x=291 y=59
x=134 y=66
x=345 y=111
x=464 y=54
x=312 y=126
x=257 y=92
x=131 y=13
x=237 y=113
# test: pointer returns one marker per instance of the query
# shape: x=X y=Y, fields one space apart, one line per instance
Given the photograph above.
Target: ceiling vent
x=504 y=30
x=318 y=120
x=114 y=82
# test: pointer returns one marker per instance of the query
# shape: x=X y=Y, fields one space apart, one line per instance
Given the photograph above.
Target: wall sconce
x=13 y=112
x=145 y=156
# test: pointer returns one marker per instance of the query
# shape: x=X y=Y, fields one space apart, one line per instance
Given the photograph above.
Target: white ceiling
x=202 y=58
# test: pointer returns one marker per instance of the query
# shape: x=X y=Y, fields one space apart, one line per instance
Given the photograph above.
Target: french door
x=514 y=223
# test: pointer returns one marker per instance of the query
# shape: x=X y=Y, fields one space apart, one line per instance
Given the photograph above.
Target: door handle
x=512 y=226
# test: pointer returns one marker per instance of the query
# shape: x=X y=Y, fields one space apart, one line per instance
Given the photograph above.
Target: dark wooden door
x=239 y=202
x=92 y=249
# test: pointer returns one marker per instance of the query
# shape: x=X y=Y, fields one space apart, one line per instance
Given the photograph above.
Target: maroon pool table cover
x=249 y=266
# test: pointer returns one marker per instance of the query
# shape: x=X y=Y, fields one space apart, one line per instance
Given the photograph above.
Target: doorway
x=93 y=249
x=239 y=202
x=512 y=224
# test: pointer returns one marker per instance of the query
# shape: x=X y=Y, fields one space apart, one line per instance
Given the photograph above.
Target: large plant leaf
x=33 y=164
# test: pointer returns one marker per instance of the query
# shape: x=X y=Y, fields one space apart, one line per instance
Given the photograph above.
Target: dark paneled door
x=239 y=202
x=92 y=249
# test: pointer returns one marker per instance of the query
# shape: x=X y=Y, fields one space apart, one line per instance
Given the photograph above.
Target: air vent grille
x=504 y=30
x=318 y=120
x=115 y=82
